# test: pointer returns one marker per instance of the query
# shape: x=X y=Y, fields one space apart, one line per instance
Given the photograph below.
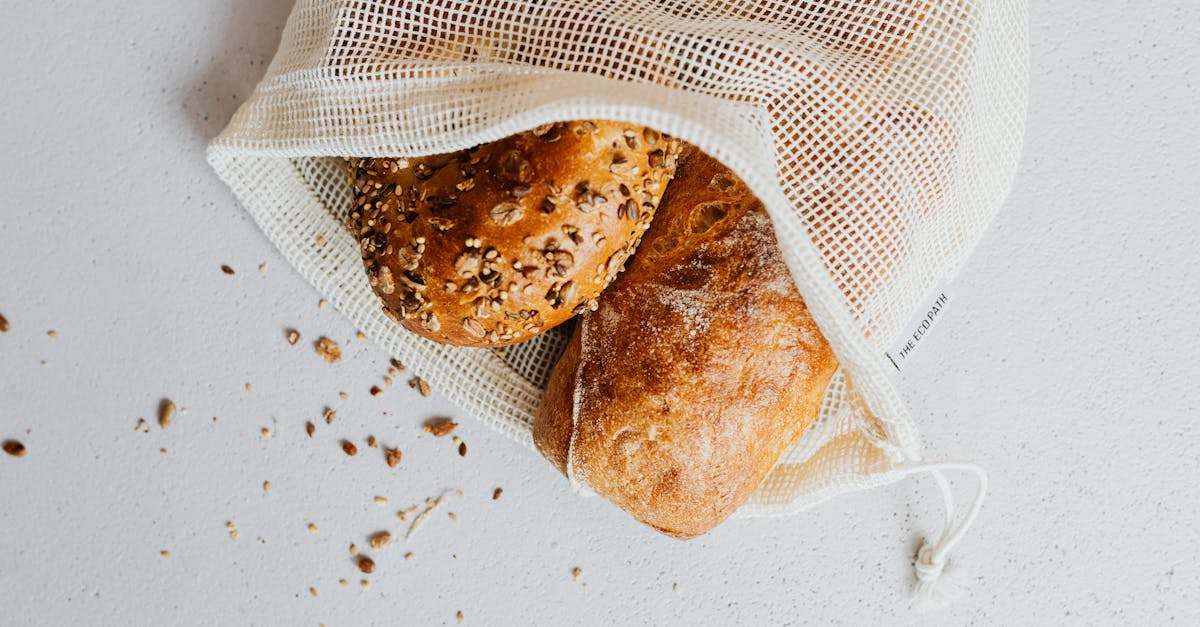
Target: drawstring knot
x=928 y=570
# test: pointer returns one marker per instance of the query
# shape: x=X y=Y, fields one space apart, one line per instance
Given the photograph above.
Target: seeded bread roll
x=699 y=368
x=493 y=245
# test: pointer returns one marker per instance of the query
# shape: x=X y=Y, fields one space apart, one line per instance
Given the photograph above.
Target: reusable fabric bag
x=880 y=135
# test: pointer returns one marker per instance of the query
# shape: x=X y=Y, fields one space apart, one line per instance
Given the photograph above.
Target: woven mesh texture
x=880 y=135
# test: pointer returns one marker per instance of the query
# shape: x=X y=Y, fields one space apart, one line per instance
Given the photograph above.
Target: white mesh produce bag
x=880 y=135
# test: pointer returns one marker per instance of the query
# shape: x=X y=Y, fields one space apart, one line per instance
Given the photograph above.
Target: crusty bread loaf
x=699 y=368
x=493 y=245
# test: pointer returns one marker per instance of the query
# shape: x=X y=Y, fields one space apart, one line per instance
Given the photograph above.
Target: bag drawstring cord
x=932 y=590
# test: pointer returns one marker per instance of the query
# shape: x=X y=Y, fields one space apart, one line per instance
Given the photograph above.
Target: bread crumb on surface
x=439 y=427
x=344 y=396
x=4 y=326
x=52 y=333
x=381 y=500
x=366 y=564
x=343 y=582
x=312 y=527
x=576 y=573
x=381 y=539
x=360 y=335
x=14 y=448
x=353 y=550
x=365 y=584
x=349 y=448
x=309 y=428
x=393 y=457
x=329 y=415
x=293 y=336
x=462 y=449
x=226 y=269
x=328 y=349
x=459 y=616
x=266 y=486
x=321 y=304
x=166 y=413
x=165 y=553
x=408 y=556
x=312 y=591
x=262 y=269
x=376 y=390
x=372 y=442
x=496 y=493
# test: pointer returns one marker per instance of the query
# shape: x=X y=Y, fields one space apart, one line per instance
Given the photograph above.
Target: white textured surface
x=1066 y=365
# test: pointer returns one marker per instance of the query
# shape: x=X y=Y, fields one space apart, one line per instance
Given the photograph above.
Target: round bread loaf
x=495 y=244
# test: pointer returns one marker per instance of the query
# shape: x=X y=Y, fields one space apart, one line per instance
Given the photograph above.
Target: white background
x=1067 y=366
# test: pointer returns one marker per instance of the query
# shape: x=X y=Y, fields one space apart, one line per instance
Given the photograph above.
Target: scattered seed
x=329 y=414
x=166 y=413
x=310 y=428
x=262 y=269
x=343 y=582
x=381 y=539
x=439 y=427
x=293 y=336
x=381 y=500
x=353 y=550
x=141 y=426
x=459 y=616
x=165 y=553
x=360 y=335
x=4 y=324
x=408 y=556
x=328 y=349
x=372 y=442
x=366 y=564
x=249 y=387
x=266 y=433
x=393 y=457
x=312 y=527
x=420 y=385
x=14 y=448
x=576 y=573
x=266 y=486
x=376 y=391
x=321 y=304
x=312 y=591
x=365 y=584
x=226 y=269
x=387 y=380
x=452 y=515
x=430 y=506
x=344 y=396
x=462 y=449
x=349 y=448
x=496 y=493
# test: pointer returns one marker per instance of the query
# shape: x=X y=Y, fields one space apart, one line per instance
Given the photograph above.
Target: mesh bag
x=880 y=135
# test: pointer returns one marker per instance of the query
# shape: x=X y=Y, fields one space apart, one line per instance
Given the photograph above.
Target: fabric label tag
x=927 y=315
